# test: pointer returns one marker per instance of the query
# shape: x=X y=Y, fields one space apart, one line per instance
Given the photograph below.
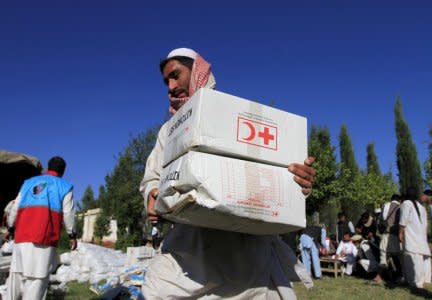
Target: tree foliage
x=102 y=226
x=372 y=190
x=326 y=189
x=120 y=198
x=372 y=160
x=406 y=154
x=428 y=162
x=325 y=185
x=341 y=186
x=88 y=201
x=346 y=149
x=348 y=173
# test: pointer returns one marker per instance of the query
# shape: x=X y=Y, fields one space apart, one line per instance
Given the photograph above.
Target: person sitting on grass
x=347 y=253
x=367 y=259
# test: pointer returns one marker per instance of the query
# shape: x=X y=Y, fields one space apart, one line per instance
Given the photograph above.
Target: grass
x=351 y=288
x=356 y=288
x=76 y=291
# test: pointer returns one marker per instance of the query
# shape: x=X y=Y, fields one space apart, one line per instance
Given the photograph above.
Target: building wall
x=90 y=217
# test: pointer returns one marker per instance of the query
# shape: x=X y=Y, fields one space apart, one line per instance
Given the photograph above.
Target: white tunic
x=346 y=250
x=199 y=262
x=415 y=228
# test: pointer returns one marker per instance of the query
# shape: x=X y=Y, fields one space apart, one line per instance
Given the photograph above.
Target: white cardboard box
x=223 y=124
x=218 y=192
x=136 y=254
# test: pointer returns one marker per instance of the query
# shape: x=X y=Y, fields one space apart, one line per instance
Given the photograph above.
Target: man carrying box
x=200 y=262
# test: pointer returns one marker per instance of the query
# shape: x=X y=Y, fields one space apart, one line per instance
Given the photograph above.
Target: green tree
x=406 y=154
x=428 y=162
x=88 y=201
x=102 y=226
x=321 y=149
x=348 y=173
x=126 y=201
x=346 y=149
x=121 y=199
x=326 y=187
x=372 y=190
x=102 y=199
x=79 y=227
x=372 y=160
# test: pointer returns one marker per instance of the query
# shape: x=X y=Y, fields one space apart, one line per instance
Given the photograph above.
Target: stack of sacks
x=225 y=166
x=94 y=263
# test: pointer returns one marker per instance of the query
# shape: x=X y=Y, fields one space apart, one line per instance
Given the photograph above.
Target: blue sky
x=79 y=78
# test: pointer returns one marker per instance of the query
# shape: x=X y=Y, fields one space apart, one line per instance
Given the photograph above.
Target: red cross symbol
x=266 y=136
x=257 y=133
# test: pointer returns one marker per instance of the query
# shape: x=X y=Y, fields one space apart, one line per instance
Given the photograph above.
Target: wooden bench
x=331 y=265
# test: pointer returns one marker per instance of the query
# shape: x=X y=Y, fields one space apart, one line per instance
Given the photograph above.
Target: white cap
x=183 y=52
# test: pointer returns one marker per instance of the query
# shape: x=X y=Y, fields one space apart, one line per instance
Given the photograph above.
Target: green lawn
x=327 y=288
x=355 y=288
x=77 y=291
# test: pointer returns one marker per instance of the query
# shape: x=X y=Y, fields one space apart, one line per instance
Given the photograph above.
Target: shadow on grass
x=424 y=293
x=421 y=293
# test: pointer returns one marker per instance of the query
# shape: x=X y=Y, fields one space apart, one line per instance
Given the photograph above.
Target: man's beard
x=176 y=103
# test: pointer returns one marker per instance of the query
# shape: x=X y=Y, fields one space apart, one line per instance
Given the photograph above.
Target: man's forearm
x=69 y=214
x=401 y=234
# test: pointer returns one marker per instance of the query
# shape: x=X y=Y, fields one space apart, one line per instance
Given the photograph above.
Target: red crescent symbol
x=252 y=131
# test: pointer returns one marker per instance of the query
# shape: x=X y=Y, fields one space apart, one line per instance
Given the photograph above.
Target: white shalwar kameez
x=347 y=253
x=32 y=264
x=200 y=263
x=417 y=264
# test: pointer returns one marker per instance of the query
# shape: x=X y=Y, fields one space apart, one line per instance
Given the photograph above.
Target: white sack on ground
x=95 y=263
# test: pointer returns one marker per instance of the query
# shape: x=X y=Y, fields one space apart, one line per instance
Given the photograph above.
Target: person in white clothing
x=390 y=246
x=413 y=235
x=6 y=214
x=426 y=198
x=347 y=253
x=206 y=263
x=42 y=204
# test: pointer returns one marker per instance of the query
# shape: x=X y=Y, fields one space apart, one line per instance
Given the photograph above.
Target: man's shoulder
x=58 y=181
x=387 y=204
x=407 y=203
x=66 y=184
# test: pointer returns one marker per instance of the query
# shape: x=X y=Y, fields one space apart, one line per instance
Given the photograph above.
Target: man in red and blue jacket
x=43 y=204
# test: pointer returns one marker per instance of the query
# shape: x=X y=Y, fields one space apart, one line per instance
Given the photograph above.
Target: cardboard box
x=215 y=122
x=137 y=254
x=218 y=192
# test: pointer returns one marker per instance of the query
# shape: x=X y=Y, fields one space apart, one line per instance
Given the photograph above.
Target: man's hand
x=151 y=213
x=304 y=174
x=73 y=244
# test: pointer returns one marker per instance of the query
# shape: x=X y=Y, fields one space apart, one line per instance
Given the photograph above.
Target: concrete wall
x=89 y=224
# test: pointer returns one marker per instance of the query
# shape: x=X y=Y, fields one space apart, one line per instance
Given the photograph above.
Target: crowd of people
x=390 y=244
